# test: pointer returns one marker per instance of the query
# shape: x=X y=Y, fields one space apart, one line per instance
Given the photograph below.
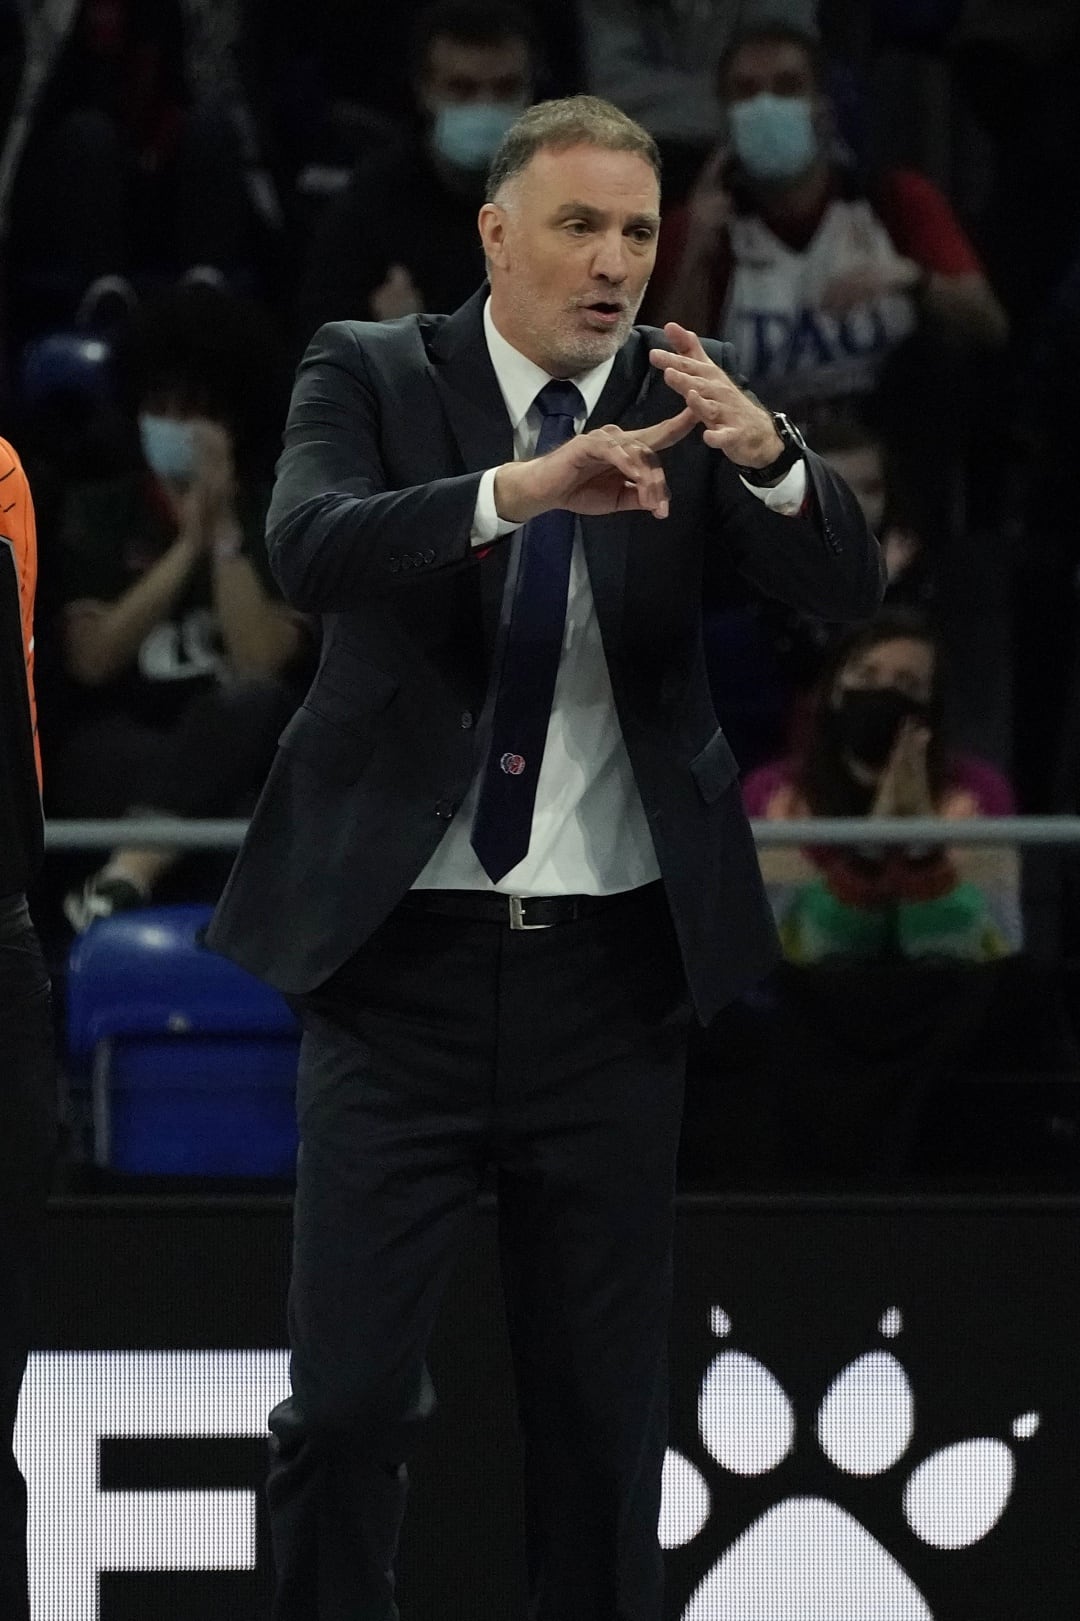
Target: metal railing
x=1019 y=831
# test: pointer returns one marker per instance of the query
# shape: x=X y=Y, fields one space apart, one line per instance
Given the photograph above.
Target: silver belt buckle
x=517 y=914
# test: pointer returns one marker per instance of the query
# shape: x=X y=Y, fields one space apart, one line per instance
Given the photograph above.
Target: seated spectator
x=874 y=749
x=656 y=59
x=135 y=156
x=765 y=659
x=872 y=471
x=184 y=662
x=326 y=107
x=815 y=276
x=402 y=237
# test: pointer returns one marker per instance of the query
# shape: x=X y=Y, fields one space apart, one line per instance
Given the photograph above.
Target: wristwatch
x=794 y=447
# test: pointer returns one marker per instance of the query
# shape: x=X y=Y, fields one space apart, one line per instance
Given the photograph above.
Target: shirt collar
x=521 y=380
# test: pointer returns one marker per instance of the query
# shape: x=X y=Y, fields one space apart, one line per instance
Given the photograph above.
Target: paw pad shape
x=807 y=1557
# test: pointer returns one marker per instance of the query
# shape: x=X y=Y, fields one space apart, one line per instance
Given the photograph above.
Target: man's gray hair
x=574 y=121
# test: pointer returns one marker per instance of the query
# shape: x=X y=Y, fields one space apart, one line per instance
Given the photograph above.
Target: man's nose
x=609 y=261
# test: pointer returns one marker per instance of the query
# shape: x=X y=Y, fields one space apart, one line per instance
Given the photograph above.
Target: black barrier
x=874 y=1416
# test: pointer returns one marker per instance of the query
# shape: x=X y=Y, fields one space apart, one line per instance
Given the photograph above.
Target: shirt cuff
x=787 y=497
x=487 y=525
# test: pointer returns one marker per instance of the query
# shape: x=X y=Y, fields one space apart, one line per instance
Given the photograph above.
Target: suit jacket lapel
x=465 y=381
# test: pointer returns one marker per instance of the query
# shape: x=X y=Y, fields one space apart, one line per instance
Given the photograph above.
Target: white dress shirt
x=589 y=831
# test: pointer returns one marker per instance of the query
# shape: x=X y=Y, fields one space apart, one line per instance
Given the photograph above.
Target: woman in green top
x=874 y=748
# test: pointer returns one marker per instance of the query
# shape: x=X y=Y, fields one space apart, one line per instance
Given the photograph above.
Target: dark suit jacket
x=389 y=431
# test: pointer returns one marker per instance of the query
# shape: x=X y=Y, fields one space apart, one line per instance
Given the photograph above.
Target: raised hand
x=609 y=469
x=732 y=421
x=397 y=295
x=709 y=202
x=864 y=283
x=904 y=787
x=211 y=493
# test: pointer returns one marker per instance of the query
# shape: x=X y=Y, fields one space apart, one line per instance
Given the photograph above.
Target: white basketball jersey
x=788 y=346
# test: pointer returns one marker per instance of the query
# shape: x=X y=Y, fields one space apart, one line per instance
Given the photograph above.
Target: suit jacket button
x=429 y=555
x=445 y=809
x=419 y=559
x=393 y=564
x=466 y=719
x=406 y=561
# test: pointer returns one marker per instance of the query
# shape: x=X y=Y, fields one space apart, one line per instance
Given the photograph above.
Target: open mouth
x=604 y=311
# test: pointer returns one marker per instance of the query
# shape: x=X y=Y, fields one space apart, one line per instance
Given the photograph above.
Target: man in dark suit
x=502 y=852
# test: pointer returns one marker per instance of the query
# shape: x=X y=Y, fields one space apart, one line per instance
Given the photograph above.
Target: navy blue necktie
x=502 y=825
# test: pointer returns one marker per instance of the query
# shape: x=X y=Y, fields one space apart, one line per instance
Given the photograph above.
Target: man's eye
x=643 y=233
x=577 y=227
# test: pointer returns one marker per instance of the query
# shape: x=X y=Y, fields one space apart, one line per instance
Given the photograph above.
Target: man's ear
x=493 y=235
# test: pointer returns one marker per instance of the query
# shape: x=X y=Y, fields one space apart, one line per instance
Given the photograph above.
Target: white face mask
x=774 y=136
x=467 y=134
x=168 y=445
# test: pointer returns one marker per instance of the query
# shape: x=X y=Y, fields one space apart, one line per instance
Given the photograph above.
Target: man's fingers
x=707 y=400
x=719 y=438
x=664 y=434
x=685 y=341
x=640 y=468
x=685 y=365
x=711 y=413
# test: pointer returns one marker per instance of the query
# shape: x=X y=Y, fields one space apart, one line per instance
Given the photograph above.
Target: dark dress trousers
x=436 y=1046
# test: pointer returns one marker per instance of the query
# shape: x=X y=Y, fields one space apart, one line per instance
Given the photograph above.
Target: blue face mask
x=467 y=134
x=774 y=136
x=168 y=445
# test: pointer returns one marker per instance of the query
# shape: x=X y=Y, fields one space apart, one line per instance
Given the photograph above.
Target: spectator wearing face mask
x=816 y=277
x=183 y=662
x=656 y=59
x=402 y=237
x=874 y=749
x=764 y=658
x=888 y=496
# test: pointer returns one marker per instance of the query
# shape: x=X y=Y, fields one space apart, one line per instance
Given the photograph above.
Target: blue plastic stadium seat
x=192 y=1061
x=66 y=363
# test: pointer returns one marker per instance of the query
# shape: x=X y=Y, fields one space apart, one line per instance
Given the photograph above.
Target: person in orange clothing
x=28 y=1116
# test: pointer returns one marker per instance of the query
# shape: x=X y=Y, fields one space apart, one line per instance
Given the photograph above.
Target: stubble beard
x=570 y=351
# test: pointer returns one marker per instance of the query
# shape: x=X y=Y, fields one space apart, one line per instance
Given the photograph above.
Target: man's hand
x=732 y=421
x=904 y=788
x=397 y=295
x=606 y=470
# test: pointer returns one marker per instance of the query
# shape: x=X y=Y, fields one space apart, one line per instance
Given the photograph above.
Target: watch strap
x=793 y=449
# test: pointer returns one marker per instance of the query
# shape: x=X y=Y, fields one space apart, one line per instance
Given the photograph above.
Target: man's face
x=772 y=67
x=570 y=245
x=457 y=73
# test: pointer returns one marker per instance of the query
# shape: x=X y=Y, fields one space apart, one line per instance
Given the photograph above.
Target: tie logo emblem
x=513 y=764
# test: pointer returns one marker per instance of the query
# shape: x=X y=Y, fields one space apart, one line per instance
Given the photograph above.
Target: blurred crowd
x=875 y=201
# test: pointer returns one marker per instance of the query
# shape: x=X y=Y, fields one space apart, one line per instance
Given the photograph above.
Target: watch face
x=787 y=429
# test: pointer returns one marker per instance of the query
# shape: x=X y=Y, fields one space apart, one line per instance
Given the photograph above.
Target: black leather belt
x=515 y=911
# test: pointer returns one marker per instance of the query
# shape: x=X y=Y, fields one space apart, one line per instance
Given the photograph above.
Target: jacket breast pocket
x=329 y=749
x=715 y=768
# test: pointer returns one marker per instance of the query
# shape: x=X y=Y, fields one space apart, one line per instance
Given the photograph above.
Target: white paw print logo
x=807 y=1557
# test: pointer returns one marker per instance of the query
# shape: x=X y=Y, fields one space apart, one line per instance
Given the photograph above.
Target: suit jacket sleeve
x=824 y=562
x=336 y=536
